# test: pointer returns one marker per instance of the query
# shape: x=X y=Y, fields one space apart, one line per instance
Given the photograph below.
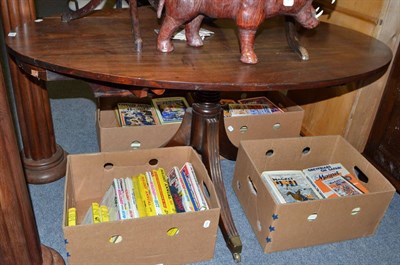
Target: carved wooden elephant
x=248 y=14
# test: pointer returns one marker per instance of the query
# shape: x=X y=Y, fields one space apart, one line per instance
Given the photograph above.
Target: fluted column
x=19 y=240
x=44 y=161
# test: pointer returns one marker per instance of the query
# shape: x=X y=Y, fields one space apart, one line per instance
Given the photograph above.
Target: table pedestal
x=19 y=240
x=201 y=128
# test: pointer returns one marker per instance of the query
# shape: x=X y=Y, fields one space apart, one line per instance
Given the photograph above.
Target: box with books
x=278 y=183
x=260 y=115
x=136 y=124
x=136 y=207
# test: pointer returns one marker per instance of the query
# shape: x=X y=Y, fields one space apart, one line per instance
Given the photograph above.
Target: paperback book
x=170 y=109
x=135 y=114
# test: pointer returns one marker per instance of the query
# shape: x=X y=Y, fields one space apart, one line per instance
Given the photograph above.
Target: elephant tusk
x=319 y=14
x=316 y=10
x=333 y=1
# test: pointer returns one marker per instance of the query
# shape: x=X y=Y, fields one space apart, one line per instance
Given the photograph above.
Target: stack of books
x=150 y=193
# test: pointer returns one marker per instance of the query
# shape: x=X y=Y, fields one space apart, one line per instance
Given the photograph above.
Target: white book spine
x=153 y=193
x=175 y=180
x=196 y=188
x=131 y=198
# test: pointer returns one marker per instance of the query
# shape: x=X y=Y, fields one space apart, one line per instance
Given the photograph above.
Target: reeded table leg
x=44 y=160
x=200 y=129
x=19 y=240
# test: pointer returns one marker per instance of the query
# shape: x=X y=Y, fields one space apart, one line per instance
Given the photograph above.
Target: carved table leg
x=44 y=160
x=19 y=240
x=293 y=41
x=81 y=12
x=204 y=138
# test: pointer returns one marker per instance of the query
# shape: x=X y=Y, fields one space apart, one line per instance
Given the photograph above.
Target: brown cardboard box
x=115 y=138
x=112 y=137
x=277 y=125
x=144 y=240
x=286 y=226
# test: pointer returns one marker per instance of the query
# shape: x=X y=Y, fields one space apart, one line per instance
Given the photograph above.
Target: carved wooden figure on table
x=248 y=14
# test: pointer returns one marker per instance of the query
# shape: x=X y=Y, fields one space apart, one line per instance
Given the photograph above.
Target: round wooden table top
x=100 y=47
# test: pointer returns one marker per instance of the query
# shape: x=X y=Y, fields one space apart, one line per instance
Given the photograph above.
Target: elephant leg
x=248 y=25
x=168 y=28
x=135 y=25
x=192 y=32
x=246 y=39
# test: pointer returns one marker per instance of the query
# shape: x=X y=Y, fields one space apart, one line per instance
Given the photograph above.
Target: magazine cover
x=240 y=109
x=290 y=186
x=261 y=100
x=134 y=114
x=170 y=109
x=318 y=174
x=341 y=186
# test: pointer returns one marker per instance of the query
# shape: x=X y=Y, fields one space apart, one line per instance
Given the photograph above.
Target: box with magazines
x=119 y=227
x=303 y=191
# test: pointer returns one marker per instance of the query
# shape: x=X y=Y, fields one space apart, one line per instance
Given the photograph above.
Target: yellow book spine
x=145 y=192
x=139 y=199
x=160 y=192
x=166 y=190
x=105 y=217
x=72 y=216
x=96 y=214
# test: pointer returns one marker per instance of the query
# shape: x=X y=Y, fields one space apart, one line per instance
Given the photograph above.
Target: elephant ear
x=154 y=3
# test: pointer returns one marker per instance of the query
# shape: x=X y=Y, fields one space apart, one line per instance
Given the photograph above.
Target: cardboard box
x=143 y=240
x=112 y=137
x=277 y=125
x=295 y=225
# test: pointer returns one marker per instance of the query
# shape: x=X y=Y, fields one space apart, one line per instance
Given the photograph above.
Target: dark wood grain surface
x=100 y=47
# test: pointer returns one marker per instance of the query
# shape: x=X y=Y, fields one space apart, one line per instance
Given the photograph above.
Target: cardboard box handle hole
x=153 y=162
x=306 y=150
x=238 y=185
x=115 y=239
x=356 y=211
x=243 y=129
x=206 y=191
x=360 y=175
x=270 y=152
x=312 y=217
x=276 y=126
x=259 y=227
x=173 y=231
x=108 y=166
x=135 y=145
x=252 y=187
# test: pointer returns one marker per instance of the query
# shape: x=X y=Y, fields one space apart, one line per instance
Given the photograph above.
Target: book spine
x=119 y=193
x=71 y=216
x=177 y=187
x=185 y=178
x=131 y=198
x=202 y=203
x=165 y=187
x=139 y=198
x=96 y=214
x=147 y=198
x=104 y=214
x=153 y=193
x=160 y=193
